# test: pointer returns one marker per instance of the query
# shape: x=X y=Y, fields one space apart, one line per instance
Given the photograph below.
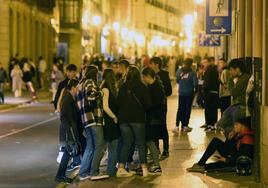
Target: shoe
x=155 y=170
x=176 y=130
x=121 y=173
x=165 y=155
x=99 y=177
x=84 y=177
x=210 y=128
x=204 y=126
x=132 y=166
x=196 y=168
x=137 y=171
x=64 y=180
x=72 y=167
x=187 y=129
x=145 y=172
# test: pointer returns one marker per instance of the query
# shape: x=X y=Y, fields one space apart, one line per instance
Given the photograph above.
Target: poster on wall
x=206 y=40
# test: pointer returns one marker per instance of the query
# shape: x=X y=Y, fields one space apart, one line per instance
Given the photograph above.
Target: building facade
x=26 y=29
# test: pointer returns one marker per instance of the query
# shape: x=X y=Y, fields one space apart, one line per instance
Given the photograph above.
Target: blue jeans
x=229 y=116
x=112 y=157
x=129 y=133
x=94 y=151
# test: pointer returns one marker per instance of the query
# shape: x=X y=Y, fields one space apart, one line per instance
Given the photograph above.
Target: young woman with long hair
x=111 y=128
x=133 y=102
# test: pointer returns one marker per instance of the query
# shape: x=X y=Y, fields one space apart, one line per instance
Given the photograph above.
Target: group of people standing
x=124 y=110
x=228 y=87
x=224 y=86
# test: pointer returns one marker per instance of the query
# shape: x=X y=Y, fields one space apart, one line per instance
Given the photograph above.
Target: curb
x=14 y=106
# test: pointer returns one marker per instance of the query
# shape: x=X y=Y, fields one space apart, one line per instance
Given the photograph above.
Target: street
x=29 y=147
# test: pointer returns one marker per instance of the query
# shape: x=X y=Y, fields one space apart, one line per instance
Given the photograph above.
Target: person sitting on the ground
x=239 y=143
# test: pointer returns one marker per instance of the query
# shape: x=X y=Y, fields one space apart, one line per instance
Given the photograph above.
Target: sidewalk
x=12 y=102
x=185 y=150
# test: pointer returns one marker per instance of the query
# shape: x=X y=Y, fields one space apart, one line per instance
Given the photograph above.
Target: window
x=70 y=13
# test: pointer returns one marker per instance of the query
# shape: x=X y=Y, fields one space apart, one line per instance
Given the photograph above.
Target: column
x=4 y=33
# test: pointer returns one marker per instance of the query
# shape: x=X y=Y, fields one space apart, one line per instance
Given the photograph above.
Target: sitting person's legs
x=215 y=145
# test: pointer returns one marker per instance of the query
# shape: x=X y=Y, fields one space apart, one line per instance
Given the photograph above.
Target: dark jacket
x=27 y=76
x=156 y=113
x=133 y=103
x=164 y=77
x=211 y=80
x=238 y=90
x=69 y=119
x=3 y=76
x=61 y=86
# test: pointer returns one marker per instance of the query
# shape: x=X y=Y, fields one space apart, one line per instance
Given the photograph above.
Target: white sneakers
x=176 y=130
x=121 y=172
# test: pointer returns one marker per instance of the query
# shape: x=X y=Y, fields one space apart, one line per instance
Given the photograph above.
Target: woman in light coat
x=16 y=75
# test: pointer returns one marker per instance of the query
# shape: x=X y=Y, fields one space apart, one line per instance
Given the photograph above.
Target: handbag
x=73 y=149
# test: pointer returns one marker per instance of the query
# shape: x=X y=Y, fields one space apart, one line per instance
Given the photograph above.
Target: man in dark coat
x=156 y=64
x=211 y=94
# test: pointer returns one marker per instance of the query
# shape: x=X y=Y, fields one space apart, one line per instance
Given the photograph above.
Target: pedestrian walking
x=3 y=79
x=27 y=78
x=42 y=67
x=56 y=78
x=16 y=75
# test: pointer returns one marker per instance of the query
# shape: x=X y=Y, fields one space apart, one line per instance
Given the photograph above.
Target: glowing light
x=105 y=30
x=96 y=20
x=173 y=43
x=131 y=35
x=181 y=44
x=85 y=19
x=199 y=1
x=181 y=34
x=188 y=20
x=124 y=32
x=195 y=15
x=120 y=50
x=139 y=39
x=116 y=26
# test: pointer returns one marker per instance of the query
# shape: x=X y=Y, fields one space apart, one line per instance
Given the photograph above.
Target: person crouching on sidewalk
x=240 y=142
